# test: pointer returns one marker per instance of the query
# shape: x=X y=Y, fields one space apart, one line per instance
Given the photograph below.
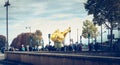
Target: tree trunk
x=111 y=35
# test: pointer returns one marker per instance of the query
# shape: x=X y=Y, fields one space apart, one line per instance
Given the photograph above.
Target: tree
x=27 y=39
x=89 y=30
x=105 y=12
x=23 y=38
x=104 y=9
x=38 y=38
x=2 y=41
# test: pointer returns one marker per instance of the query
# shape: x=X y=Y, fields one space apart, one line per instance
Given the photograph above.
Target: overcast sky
x=44 y=15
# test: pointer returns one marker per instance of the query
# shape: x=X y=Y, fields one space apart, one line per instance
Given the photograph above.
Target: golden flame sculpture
x=58 y=37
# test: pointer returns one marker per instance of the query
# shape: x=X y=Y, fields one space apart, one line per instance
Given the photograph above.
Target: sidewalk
x=1 y=56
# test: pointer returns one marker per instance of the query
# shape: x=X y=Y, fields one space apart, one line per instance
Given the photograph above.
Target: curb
x=7 y=62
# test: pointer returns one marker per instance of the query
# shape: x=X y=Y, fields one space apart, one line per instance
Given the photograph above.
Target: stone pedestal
x=58 y=44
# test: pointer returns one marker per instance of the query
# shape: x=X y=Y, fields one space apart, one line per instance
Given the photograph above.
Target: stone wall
x=43 y=58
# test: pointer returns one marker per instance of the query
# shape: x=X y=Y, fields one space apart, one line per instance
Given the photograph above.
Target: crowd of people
x=72 y=47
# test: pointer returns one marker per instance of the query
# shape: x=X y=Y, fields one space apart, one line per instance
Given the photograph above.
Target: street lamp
x=88 y=35
x=6 y=5
x=101 y=34
x=70 y=37
x=49 y=38
x=119 y=31
x=29 y=28
x=31 y=40
x=77 y=35
x=81 y=39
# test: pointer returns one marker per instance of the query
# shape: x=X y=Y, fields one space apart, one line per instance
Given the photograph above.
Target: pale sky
x=44 y=15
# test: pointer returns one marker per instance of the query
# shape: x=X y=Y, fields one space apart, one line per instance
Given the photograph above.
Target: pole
x=7 y=25
x=29 y=29
x=81 y=39
x=88 y=38
x=88 y=35
x=101 y=34
x=108 y=37
x=31 y=45
x=118 y=30
x=77 y=35
x=70 y=37
x=49 y=38
x=118 y=33
x=6 y=5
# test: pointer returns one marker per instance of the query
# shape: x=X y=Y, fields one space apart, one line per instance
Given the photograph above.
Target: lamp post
x=81 y=39
x=119 y=30
x=29 y=28
x=70 y=37
x=77 y=35
x=88 y=35
x=49 y=38
x=31 y=40
x=6 y=5
x=101 y=34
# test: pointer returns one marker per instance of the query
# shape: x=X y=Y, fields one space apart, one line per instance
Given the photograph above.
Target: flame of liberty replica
x=58 y=37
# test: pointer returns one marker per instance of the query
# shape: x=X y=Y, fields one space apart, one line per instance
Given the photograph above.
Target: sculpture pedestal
x=58 y=44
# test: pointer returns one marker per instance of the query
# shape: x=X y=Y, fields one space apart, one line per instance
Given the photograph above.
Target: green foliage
x=103 y=10
x=31 y=39
x=38 y=32
x=2 y=41
x=89 y=30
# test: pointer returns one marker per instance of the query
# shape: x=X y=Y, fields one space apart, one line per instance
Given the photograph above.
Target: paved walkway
x=1 y=56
